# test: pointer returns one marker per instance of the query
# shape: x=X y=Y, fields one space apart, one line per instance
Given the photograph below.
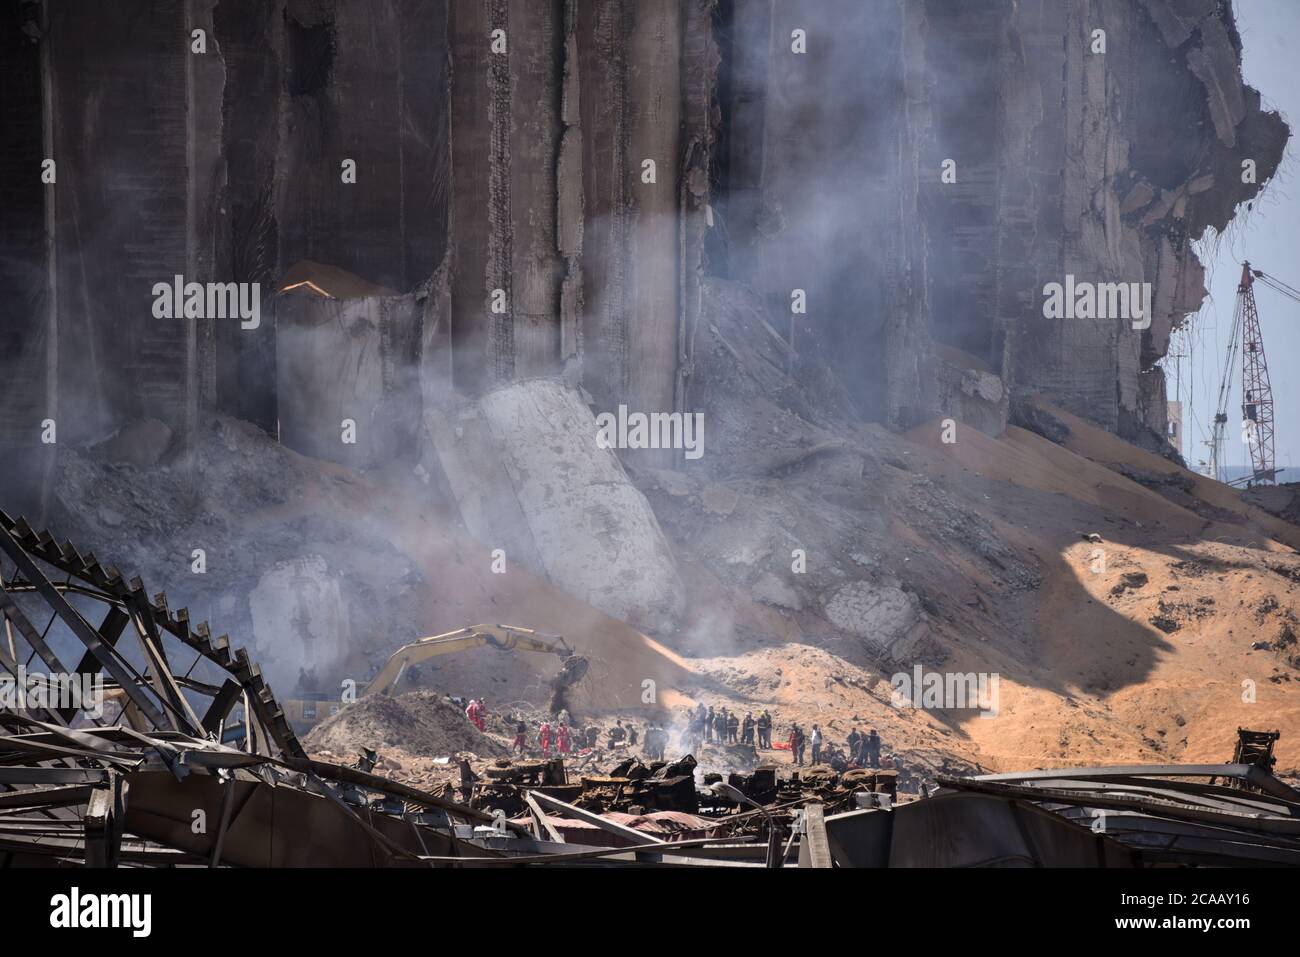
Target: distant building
x=1174 y=430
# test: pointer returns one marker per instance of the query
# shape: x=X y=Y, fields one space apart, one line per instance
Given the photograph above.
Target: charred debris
x=182 y=757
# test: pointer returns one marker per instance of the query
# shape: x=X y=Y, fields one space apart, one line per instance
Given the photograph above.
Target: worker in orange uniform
x=562 y=738
x=545 y=736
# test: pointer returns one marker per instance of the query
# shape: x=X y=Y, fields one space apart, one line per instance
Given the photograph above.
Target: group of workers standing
x=557 y=737
x=864 y=749
x=720 y=726
x=704 y=725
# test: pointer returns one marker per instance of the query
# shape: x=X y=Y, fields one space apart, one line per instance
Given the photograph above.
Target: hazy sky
x=1268 y=236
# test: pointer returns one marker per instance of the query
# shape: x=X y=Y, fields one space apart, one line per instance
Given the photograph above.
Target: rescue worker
x=708 y=726
x=544 y=738
x=765 y=730
x=695 y=732
x=474 y=711
x=852 y=743
x=747 y=729
x=733 y=726
x=521 y=737
x=655 y=739
x=816 y=744
x=617 y=734
x=863 y=759
x=562 y=738
x=872 y=748
x=795 y=744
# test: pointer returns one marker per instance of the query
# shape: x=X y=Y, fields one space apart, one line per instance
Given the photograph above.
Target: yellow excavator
x=305 y=712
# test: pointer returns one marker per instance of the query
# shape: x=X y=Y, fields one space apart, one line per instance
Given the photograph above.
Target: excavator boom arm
x=505 y=637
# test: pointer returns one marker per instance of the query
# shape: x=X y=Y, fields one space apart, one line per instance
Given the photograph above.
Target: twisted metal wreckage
x=160 y=787
x=202 y=768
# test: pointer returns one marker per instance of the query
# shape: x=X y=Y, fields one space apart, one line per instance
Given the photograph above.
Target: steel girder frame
x=132 y=793
x=159 y=699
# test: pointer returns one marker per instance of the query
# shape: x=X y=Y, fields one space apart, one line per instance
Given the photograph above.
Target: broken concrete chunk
x=719 y=500
x=110 y=517
x=1178 y=18
x=140 y=444
x=881 y=613
x=524 y=465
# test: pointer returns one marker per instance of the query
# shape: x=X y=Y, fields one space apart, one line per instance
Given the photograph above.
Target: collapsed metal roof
x=1193 y=814
x=196 y=770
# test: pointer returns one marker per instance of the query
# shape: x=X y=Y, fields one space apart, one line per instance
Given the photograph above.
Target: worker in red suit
x=562 y=739
x=545 y=736
x=475 y=713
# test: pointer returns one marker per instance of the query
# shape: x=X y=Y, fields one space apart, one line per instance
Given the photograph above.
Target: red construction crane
x=1257 y=422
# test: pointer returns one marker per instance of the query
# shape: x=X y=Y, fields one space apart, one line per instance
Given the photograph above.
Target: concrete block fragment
x=882 y=612
x=526 y=467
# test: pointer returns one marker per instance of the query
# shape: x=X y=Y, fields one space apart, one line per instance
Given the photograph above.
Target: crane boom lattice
x=1256 y=390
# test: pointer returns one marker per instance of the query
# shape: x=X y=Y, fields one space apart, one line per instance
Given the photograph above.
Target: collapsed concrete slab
x=525 y=471
x=139 y=444
x=970 y=391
